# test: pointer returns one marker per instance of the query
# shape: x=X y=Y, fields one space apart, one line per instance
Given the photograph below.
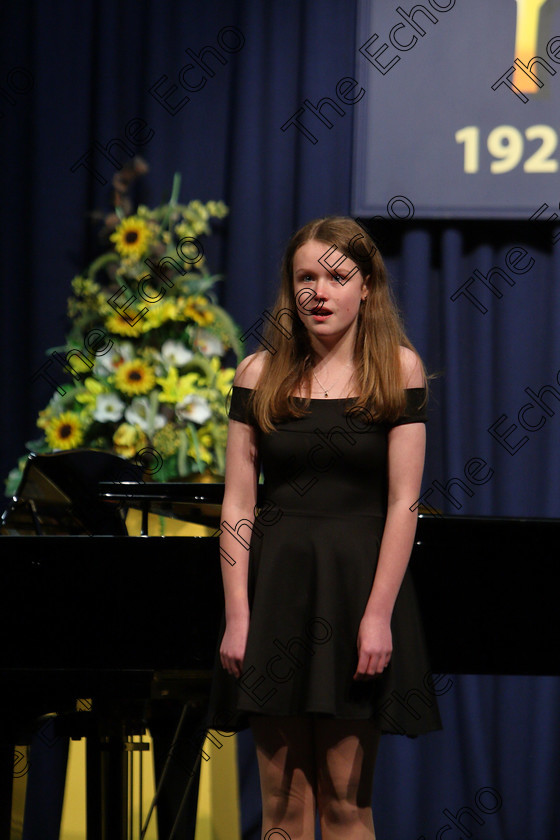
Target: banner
x=460 y=109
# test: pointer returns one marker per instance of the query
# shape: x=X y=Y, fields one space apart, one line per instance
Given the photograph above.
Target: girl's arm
x=237 y=519
x=406 y=452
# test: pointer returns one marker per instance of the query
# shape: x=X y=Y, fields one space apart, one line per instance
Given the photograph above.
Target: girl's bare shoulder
x=249 y=370
x=411 y=367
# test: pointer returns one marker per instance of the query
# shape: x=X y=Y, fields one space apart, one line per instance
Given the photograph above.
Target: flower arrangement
x=156 y=378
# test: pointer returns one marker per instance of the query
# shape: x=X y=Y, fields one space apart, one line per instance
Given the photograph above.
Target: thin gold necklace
x=326 y=390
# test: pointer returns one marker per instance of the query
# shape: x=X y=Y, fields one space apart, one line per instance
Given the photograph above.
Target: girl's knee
x=344 y=815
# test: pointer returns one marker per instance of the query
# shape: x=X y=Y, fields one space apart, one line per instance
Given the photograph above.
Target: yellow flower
x=196 y=309
x=85 y=287
x=159 y=313
x=224 y=380
x=132 y=238
x=88 y=397
x=184 y=230
x=175 y=388
x=223 y=376
x=47 y=414
x=129 y=440
x=44 y=418
x=205 y=436
x=203 y=453
x=117 y=325
x=205 y=444
x=135 y=377
x=64 y=431
x=166 y=441
x=217 y=209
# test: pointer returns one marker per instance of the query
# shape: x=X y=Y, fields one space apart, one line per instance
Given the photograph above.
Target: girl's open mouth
x=321 y=314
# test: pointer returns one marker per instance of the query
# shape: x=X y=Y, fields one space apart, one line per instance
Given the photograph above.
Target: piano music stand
x=58 y=495
x=200 y=504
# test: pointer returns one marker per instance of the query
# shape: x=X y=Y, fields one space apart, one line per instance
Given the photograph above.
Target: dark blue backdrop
x=76 y=74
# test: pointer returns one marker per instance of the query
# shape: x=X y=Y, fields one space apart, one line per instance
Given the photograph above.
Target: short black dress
x=312 y=560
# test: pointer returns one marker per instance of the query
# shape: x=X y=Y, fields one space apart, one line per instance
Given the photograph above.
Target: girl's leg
x=345 y=753
x=285 y=755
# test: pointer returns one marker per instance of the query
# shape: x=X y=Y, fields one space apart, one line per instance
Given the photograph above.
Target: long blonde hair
x=380 y=333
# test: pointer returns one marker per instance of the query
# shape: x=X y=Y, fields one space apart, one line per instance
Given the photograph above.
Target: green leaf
x=175 y=189
x=200 y=362
x=230 y=329
x=39 y=445
x=168 y=470
x=201 y=466
x=101 y=262
x=182 y=468
x=153 y=400
x=172 y=204
x=220 y=455
x=12 y=482
x=60 y=349
x=196 y=285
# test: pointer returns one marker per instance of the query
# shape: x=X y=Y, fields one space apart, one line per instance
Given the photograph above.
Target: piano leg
x=6 y=787
x=177 y=738
x=108 y=729
x=93 y=789
x=114 y=782
x=108 y=782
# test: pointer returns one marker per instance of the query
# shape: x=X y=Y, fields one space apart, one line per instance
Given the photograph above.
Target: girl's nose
x=321 y=287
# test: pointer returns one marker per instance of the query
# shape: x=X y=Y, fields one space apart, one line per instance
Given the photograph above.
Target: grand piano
x=132 y=623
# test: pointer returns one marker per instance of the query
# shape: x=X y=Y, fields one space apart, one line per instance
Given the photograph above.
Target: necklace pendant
x=326 y=393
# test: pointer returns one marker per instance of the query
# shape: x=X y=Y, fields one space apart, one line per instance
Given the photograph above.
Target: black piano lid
x=487 y=586
x=488 y=593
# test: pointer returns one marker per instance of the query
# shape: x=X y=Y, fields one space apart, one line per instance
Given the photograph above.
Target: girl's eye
x=306 y=278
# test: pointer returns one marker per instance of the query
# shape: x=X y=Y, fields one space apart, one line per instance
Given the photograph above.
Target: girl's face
x=328 y=289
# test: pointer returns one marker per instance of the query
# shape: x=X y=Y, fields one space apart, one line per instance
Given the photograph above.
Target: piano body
x=80 y=624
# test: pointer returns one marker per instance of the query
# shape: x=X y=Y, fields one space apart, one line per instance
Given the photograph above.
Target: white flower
x=110 y=361
x=108 y=407
x=138 y=414
x=175 y=353
x=56 y=406
x=193 y=407
x=208 y=343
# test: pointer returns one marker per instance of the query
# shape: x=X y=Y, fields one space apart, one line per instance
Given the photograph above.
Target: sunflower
x=196 y=308
x=64 y=431
x=132 y=238
x=117 y=325
x=159 y=313
x=135 y=377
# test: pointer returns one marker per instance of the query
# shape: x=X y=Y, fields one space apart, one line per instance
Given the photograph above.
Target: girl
x=322 y=648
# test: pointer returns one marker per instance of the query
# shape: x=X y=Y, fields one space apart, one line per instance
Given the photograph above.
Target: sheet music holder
x=199 y=503
x=58 y=495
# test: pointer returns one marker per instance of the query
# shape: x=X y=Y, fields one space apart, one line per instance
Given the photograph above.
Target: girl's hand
x=375 y=645
x=232 y=648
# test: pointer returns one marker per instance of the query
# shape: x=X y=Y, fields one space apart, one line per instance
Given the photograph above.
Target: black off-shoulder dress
x=312 y=561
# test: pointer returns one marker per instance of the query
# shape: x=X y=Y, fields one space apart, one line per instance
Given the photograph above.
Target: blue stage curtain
x=77 y=74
